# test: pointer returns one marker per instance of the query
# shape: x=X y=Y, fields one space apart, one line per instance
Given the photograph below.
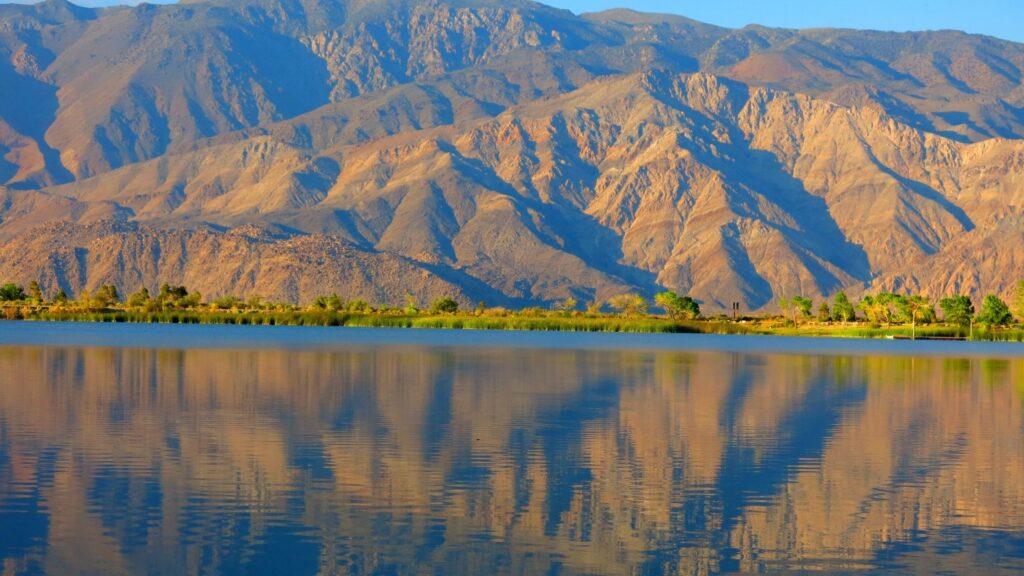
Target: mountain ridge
x=513 y=153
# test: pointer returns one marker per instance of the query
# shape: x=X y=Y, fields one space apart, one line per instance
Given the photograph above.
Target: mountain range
x=501 y=151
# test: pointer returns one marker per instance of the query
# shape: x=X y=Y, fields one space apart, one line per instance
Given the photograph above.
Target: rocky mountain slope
x=503 y=151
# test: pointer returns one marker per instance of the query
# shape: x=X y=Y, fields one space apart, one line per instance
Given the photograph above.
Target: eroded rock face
x=245 y=260
x=501 y=151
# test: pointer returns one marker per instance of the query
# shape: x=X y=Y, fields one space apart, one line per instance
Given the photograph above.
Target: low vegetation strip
x=376 y=320
x=553 y=323
x=883 y=315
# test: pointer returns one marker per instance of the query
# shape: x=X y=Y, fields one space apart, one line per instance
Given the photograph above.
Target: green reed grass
x=526 y=321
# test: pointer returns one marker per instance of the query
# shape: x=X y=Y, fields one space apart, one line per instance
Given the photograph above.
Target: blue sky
x=1001 y=18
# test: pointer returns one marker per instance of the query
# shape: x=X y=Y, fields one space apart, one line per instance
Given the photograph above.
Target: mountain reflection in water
x=396 y=460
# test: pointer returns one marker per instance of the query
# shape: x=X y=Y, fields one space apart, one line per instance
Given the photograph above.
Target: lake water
x=235 y=450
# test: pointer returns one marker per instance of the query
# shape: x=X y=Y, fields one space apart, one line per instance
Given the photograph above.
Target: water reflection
x=476 y=461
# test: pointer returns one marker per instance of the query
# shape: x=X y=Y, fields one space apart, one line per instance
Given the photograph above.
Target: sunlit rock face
x=463 y=460
x=504 y=151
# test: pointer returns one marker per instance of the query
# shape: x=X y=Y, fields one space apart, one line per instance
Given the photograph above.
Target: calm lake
x=128 y=449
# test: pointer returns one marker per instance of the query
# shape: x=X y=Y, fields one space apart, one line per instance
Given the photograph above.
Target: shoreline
x=517 y=321
x=137 y=336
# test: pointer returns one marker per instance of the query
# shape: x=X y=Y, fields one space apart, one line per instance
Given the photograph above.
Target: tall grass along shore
x=874 y=316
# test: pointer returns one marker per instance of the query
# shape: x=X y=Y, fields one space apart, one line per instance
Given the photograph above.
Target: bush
x=629 y=304
x=678 y=307
x=11 y=293
x=444 y=305
x=228 y=302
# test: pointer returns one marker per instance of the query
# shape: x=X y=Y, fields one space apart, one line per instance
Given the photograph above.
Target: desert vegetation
x=871 y=316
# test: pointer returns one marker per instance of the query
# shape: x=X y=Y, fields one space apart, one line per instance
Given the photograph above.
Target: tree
x=565 y=308
x=876 y=308
x=824 y=312
x=11 y=293
x=842 y=309
x=172 y=294
x=411 y=307
x=678 y=307
x=61 y=297
x=444 y=305
x=888 y=308
x=140 y=298
x=895 y=307
x=917 y=307
x=629 y=304
x=867 y=305
x=994 y=312
x=803 y=306
x=192 y=300
x=106 y=296
x=35 y=292
x=567 y=305
x=786 y=305
x=958 y=310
